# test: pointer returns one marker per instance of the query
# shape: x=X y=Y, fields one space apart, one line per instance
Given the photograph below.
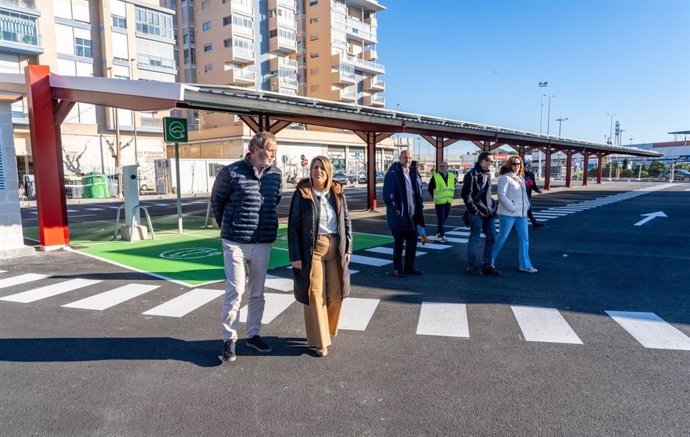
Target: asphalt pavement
x=596 y=343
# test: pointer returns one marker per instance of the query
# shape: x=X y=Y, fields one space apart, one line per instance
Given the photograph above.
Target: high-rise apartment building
x=324 y=49
x=128 y=39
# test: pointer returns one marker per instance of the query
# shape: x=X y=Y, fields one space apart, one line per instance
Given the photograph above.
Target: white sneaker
x=529 y=270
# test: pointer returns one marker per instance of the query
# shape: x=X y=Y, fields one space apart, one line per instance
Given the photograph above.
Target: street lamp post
x=542 y=85
x=560 y=120
x=610 y=127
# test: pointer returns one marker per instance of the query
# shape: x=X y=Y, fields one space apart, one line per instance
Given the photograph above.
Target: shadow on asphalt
x=203 y=353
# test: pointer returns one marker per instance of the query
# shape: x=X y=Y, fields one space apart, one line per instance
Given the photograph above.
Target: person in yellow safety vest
x=442 y=189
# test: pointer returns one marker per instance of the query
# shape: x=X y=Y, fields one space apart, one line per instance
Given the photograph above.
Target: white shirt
x=408 y=191
x=327 y=219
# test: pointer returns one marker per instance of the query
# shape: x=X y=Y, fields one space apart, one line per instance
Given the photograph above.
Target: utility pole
x=542 y=85
x=548 y=116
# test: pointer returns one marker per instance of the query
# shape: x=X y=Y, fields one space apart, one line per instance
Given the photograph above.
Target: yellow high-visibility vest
x=443 y=193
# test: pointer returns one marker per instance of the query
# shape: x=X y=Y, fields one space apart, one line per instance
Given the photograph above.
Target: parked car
x=678 y=175
x=380 y=175
x=343 y=178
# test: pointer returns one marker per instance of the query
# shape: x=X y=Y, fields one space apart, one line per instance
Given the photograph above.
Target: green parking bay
x=192 y=258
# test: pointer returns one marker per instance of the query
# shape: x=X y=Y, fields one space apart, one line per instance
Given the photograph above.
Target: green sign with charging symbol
x=175 y=130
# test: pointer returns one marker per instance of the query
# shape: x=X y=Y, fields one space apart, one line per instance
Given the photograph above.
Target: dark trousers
x=410 y=240
x=442 y=213
x=531 y=217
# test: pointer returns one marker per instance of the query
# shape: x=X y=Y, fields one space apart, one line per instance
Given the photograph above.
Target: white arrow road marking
x=650 y=216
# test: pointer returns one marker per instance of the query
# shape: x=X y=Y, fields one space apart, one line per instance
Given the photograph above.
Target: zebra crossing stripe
x=459 y=233
x=544 y=325
x=21 y=279
x=185 y=303
x=356 y=313
x=650 y=330
x=2 y=271
x=443 y=319
x=49 y=290
x=389 y=250
x=369 y=261
x=278 y=283
x=113 y=297
x=275 y=304
x=433 y=246
x=456 y=240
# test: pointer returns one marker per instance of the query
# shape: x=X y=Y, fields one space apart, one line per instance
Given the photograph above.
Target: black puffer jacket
x=303 y=226
x=245 y=206
x=477 y=202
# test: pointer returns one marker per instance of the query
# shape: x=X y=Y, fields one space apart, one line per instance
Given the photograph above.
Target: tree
x=115 y=148
x=656 y=168
x=73 y=161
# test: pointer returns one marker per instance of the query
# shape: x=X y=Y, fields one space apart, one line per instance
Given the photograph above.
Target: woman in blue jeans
x=513 y=205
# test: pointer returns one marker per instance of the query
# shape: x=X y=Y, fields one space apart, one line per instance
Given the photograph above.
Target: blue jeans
x=442 y=213
x=477 y=226
x=520 y=223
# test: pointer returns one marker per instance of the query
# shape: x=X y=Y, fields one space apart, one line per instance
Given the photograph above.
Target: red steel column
x=568 y=167
x=46 y=149
x=585 y=169
x=547 y=170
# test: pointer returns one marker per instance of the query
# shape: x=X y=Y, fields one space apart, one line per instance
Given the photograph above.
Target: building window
x=82 y=47
x=119 y=22
x=206 y=25
x=313 y=2
x=208 y=47
x=154 y=23
x=204 y=4
x=314 y=54
x=208 y=67
x=313 y=20
x=314 y=71
x=227 y=20
x=314 y=37
x=227 y=43
x=314 y=88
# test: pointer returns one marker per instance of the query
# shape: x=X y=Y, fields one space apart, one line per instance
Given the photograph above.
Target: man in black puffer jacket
x=244 y=199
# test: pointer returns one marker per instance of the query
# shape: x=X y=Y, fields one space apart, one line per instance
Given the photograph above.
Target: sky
x=482 y=61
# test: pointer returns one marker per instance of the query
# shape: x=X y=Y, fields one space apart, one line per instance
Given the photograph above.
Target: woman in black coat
x=320 y=244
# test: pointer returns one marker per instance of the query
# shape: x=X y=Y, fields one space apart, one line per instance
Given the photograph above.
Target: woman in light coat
x=320 y=245
x=513 y=205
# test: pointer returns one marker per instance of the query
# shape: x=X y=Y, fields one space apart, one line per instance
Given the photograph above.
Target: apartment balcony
x=241 y=8
x=344 y=75
x=281 y=44
x=357 y=30
x=285 y=85
x=371 y=21
x=359 y=63
x=347 y=95
x=374 y=85
x=278 y=62
x=20 y=35
x=288 y=4
x=242 y=77
x=370 y=54
x=245 y=32
x=241 y=56
x=275 y=22
x=375 y=100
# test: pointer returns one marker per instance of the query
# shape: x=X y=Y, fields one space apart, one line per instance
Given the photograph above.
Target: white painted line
x=651 y=330
x=370 y=261
x=356 y=313
x=541 y=214
x=94 y=209
x=389 y=250
x=49 y=290
x=2 y=271
x=457 y=240
x=162 y=205
x=275 y=304
x=185 y=303
x=21 y=279
x=544 y=325
x=443 y=319
x=459 y=233
x=565 y=209
x=554 y=212
x=107 y=299
x=72 y=210
x=278 y=283
x=434 y=246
